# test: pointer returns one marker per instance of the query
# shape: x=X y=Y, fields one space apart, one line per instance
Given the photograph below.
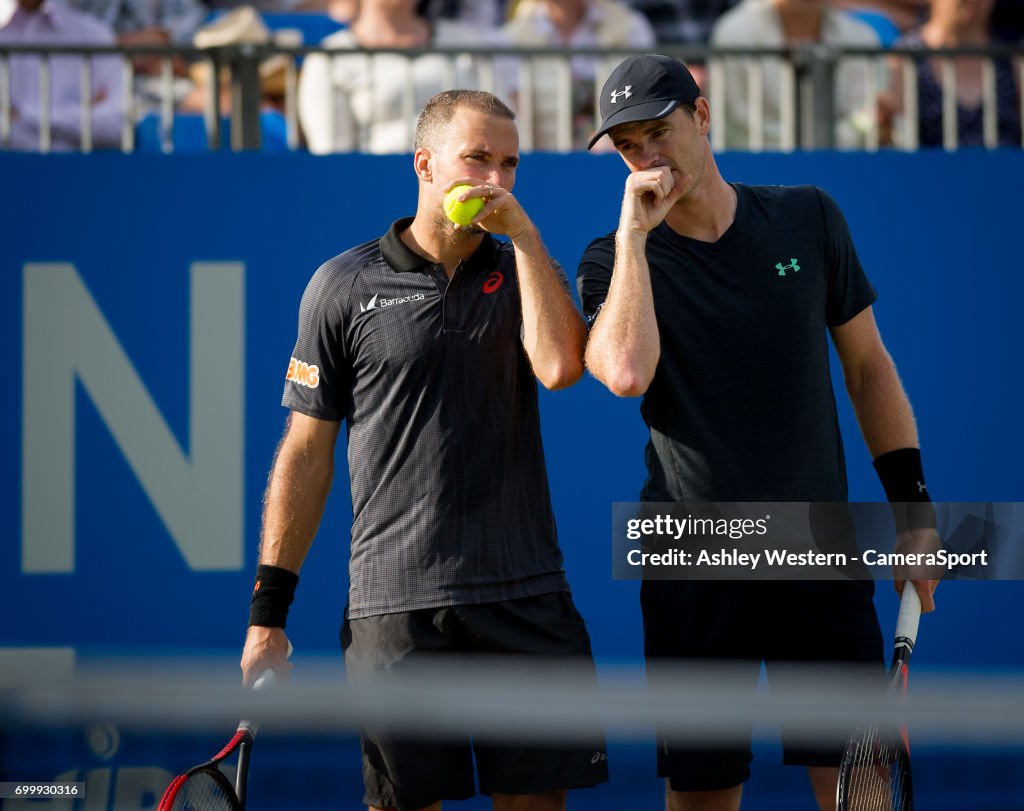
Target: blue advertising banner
x=150 y=304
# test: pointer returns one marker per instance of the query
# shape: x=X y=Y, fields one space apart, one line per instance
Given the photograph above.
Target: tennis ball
x=459 y=212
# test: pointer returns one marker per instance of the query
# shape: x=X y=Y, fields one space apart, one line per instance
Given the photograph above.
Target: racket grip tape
x=266 y=678
x=909 y=617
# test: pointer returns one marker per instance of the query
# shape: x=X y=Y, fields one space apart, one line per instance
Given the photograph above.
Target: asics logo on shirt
x=493 y=282
x=625 y=93
x=379 y=304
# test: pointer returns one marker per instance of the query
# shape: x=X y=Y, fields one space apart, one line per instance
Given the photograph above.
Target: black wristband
x=272 y=596
x=902 y=476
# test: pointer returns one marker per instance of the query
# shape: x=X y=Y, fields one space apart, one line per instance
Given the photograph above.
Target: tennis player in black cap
x=713 y=301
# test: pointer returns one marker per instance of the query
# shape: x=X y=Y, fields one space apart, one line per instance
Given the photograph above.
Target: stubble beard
x=446 y=232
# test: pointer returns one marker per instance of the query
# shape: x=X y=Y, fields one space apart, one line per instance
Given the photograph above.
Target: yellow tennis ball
x=462 y=212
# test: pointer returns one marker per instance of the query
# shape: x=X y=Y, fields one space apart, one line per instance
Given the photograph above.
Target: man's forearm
x=882 y=407
x=625 y=344
x=887 y=422
x=553 y=330
x=294 y=504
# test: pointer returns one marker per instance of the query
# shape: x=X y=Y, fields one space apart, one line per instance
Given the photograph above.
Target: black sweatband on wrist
x=272 y=596
x=902 y=477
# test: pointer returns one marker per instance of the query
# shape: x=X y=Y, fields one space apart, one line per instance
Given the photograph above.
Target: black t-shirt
x=741 y=406
x=450 y=496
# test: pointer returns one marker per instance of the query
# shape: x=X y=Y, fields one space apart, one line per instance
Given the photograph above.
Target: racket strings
x=874 y=775
x=205 y=790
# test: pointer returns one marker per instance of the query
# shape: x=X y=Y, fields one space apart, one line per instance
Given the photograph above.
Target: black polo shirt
x=450 y=496
x=741 y=406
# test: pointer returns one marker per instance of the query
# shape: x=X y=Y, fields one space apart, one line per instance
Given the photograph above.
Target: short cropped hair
x=441 y=108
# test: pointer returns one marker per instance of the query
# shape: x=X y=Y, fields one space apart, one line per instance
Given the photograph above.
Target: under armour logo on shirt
x=624 y=93
x=921 y=487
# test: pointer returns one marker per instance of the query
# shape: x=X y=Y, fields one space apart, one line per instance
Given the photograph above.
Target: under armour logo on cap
x=625 y=92
x=644 y=88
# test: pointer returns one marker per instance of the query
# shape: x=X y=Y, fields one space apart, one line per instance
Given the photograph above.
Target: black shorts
x=411 y=774
x=772 y=622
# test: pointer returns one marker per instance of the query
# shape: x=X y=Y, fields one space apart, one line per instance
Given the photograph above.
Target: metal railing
x=789 y=98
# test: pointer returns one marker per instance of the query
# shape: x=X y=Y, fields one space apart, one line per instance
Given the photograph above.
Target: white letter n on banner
x=199 y=495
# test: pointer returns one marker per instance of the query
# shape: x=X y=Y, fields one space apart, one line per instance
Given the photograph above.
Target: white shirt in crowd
x=756 y=23
x=53 y=23
x=370 y=103
x=605 y=24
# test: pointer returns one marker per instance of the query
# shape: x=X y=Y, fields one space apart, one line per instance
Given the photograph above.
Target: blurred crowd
x=350 y=100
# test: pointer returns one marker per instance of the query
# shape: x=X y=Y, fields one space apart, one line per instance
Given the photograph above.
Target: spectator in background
x=481 y=13
x=955 y=24
x=903 y=14
x=780 y=23
x=241 y=25
x=344 y=11
x=151 y=22
x=358 y=102
x=339 y=10
x=50 y=22
x=572 y=24
x=147 y=22
x=682 y=22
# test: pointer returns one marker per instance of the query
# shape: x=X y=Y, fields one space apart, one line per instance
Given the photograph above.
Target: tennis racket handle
x=266 y=678
x=909 y=616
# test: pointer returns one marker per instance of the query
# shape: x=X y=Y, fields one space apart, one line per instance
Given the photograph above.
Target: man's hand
x=265 y=649
x=501 y=213
x=925 y=578
x=648 y=197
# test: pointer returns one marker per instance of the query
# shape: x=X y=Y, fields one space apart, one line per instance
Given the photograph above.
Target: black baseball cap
x=644 y=88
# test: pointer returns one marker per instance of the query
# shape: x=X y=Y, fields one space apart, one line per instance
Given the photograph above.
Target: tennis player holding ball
x=428 y=342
